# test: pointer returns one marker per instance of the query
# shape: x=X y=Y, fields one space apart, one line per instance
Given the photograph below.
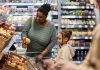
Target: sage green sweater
x=41 y=37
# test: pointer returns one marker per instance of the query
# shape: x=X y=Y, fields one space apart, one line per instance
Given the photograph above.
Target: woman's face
x=59 y=36
x=40 y=18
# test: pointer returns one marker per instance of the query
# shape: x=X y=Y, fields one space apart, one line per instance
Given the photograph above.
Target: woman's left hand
x=40 y=56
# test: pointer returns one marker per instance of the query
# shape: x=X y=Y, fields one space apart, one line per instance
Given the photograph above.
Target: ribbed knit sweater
x=42 y=37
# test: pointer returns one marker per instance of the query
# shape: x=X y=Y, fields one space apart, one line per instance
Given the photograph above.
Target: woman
x=41 y=32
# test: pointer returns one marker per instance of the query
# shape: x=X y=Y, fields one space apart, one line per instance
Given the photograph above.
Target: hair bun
x=46 y=6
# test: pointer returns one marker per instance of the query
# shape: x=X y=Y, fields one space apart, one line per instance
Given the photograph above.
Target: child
x=65 y=51
x=92 y=60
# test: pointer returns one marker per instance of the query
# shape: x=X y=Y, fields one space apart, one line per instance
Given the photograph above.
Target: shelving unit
x=64 y=17
x=80 y=18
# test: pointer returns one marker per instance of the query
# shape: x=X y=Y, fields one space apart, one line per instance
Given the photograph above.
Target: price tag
x=80 y=26
x=87 y=7
x=86 y=26
x=92 y=7
x=86 y=37
x=80 y=16
x=91 y=26
x=89 y=16
x=82 y=47
x=83 y=7
x=90 y=37
x=93 y=16
x=63 y=26
x=56 y=24
x=73 y=37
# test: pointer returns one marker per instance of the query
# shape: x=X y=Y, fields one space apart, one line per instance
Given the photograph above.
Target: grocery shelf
x=81 y=47
x=79 y=37
x=24 y=14
x=77 y=7
x=26 y=4
x=77 y=26
x=70 y=16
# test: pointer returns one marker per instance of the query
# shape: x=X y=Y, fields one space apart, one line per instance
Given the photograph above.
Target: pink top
x=65 y=53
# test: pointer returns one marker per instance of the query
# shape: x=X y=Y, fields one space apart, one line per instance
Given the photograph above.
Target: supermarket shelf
x=86 y=37
x=9 y=45
x=70 y=16
x=77 y=26
x=26 y=4
x=77 y=7
x=81 y=47
x=23 y=14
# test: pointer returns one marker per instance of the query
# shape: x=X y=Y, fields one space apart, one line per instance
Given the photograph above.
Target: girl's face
x=60 y=40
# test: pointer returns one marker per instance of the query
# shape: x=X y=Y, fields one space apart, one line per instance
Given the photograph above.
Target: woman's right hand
x=25 y=42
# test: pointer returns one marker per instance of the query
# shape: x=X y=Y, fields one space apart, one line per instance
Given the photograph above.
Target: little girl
x=65 y=51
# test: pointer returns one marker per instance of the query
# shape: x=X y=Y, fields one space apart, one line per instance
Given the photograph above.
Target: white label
x=80 y=16
x=89 y=16
x=86 y=37
x=63 y=26
x=73 y=37
x=86 y=26
x=56 y=24
x=80 y=26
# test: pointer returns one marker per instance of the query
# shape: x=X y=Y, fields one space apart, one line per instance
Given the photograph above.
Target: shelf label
x=90 y=37
x=80 y=16
x=82 y=7
x=63 y=26
x=86 y=37
x=56 y=24
x=87 y=7
x=86 y=26
x=92 y=7
x=80 y=26
x=91 y=26
x=93 y=16
x=73 y=37
x=89 y=16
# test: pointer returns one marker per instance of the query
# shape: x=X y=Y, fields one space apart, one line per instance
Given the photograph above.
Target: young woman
x=65 y=51
x=40 y=34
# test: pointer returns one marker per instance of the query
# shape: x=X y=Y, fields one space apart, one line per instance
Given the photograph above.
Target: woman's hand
x=25 y=42
x=40 y=56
